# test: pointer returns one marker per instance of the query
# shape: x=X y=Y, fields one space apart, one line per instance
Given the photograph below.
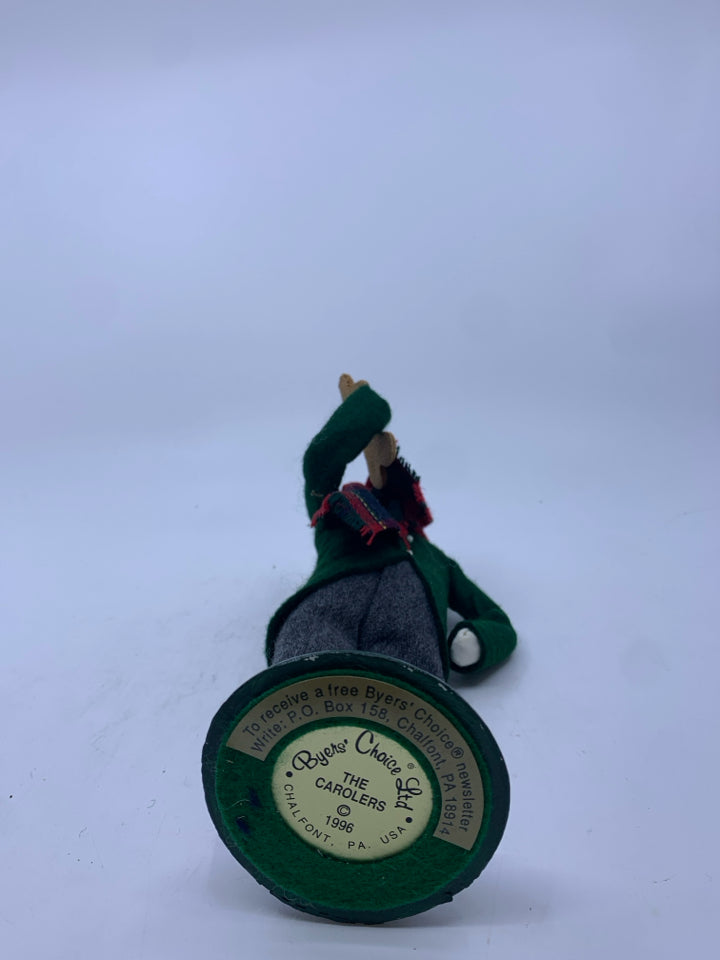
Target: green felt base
x=355 y=787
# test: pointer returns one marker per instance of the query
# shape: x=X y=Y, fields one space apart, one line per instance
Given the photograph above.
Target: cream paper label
x=417 y=727
x=352 y=792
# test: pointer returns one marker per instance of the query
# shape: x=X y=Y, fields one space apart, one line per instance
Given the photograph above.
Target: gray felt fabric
x=384 y=611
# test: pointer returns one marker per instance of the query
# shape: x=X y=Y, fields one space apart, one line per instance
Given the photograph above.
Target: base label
x=415 y=726
x=352 y=792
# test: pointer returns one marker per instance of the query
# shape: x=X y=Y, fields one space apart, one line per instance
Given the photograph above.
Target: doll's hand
x=465 y=649
x=348 y=385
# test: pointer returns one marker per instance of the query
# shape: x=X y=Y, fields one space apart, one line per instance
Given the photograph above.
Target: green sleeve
x=344 y=437
x=485 y=618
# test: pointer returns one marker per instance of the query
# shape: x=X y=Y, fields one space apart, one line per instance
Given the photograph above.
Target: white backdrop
x=505 y=216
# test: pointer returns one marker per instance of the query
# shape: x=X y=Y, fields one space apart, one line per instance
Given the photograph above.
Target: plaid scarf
x=399 y=506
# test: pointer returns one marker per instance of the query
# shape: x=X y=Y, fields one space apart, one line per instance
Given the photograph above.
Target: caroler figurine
x=348 y=778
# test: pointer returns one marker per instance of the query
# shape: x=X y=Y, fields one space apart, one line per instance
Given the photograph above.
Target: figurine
x=379 y=585
x=348 y=777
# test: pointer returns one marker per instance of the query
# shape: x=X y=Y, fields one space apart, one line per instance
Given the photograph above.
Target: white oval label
x=352 y=792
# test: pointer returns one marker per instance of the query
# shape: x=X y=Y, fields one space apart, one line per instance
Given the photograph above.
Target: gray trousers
x=385 y=611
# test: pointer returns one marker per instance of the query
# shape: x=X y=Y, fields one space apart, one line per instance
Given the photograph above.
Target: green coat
x=341 y=550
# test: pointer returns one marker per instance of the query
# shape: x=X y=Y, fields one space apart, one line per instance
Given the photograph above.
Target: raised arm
x=346 y=434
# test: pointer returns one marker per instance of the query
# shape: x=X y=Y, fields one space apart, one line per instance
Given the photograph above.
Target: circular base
x=355 y=786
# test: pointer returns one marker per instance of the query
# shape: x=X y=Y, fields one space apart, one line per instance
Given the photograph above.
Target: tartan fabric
x=399 y=506
x=357 y=506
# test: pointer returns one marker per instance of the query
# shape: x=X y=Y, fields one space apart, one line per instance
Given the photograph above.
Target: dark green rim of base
x=428 y=873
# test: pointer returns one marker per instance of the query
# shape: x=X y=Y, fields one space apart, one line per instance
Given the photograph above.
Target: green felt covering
x=239 y=795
